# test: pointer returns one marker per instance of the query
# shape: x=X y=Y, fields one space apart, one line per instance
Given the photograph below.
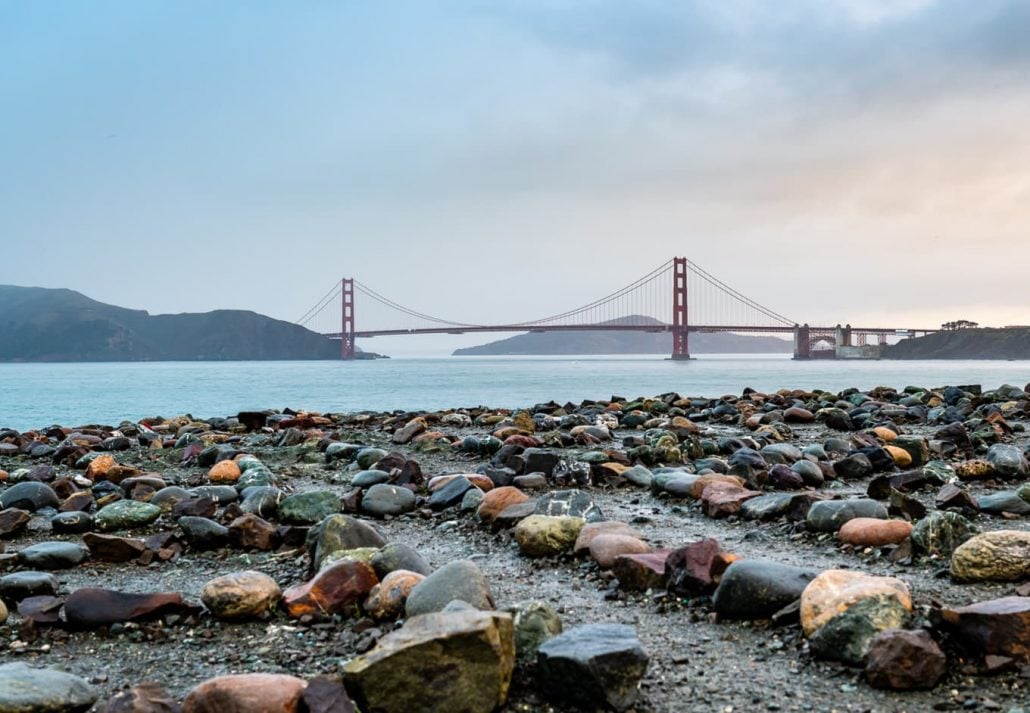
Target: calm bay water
x=35 y=395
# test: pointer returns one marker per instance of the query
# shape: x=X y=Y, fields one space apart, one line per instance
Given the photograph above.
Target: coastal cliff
x=1005 y=343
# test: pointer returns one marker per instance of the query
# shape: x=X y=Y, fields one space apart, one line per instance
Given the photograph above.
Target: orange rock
x=3 y=476
x=387 y=599
x=99 y=466
x=337 y=589
x=482 y=482
x=605 y=548
x=902 y=458
x=246 y=693
x=872 y=532
x=225 y=471
x=497 y=500
x=885 y=434
x=705 y=480
x=721 y=498
x=836 y=590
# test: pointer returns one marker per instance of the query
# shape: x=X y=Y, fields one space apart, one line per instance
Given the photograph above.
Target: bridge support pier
x=347 y=327
x=680 y=321
x=802 y=342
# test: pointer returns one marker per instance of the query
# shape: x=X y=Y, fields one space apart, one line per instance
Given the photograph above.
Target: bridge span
x=663 y=301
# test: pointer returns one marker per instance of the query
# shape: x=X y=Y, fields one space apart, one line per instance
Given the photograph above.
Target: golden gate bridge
x=678 y=297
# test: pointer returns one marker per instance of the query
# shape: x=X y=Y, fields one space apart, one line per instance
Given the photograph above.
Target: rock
x=999 y=556
x=308 y=508
x=339 y=588
x=73 y=523
x=999 y=627
x=143 y=698
x=901 y=457
x=841 y=612
x=546 y=535
x=939 y=533
x=241 y=595
x=638 y=475
x=224 y=472
x=811 y=474
x=340 y=532
x=21 y=585
x=92 y=606
x=569 y=503
x=917 y=447
x=461 y=579
x=250 y=532
x=3 y=612
x=457 y=661
x=327 y=695
x=12 y=520
x=513 y=514
x=111 y=548
x=246 y=693
x=796 y=414
x=723 y=499
x=125 y=515
x=29 y=495
x=757 y=589
x=1007 y=461
x=24 y=689
x=262 y=501
x=53 y=555
x=954 y=497
x=398 y=555
x=535 y=622
x=607 y=527
x=361 y=554
x=974 y=470
x=382 y=500
x=695 y=569
x=829 y=515
x=904 y=660
x=592 y=666
x=871 y=532
x=853 y=467
x=471 y=500
x=497 y=500
x=880 y=487
x=405 y=433
x=533 y=481
x=605 y=548
x=202 y=533
x=386 y=600
x=638 y=573
x=1006 y=501
x=450 y=494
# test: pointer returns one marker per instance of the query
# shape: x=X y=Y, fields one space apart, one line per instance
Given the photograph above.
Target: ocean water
x=36 y=395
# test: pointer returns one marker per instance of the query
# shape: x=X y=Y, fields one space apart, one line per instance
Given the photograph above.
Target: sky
x=862 y=161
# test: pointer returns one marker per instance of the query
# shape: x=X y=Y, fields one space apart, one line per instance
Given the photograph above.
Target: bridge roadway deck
x=654 y=328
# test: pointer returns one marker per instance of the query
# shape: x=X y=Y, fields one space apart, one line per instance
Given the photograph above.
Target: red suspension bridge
x=677 y=297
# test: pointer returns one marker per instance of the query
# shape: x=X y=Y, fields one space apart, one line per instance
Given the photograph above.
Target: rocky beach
x=795 y=551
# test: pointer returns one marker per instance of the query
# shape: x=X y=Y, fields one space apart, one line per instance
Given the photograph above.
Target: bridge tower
x=802 y=342
x=680 y=321
x=347 y=327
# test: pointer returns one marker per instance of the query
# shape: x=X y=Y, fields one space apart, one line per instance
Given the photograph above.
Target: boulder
x=904 y=660
x=339 y=588
x=241 y=595
x=999 y=627
x=872 y=532
x=607 y=527
x=940 y=533
x=124 y=515
x=456 y=661
x=592 y=666
x=757 y=589
x=460 y=580
x=398 y=555
x=308 y=508
x=25 y=689
x=52 y=555
x=696 y=569
x=829 y=515
x=569 y=503
x=999 y=556
x=386 y=600
x=496 y=500
x=535 y=622
x=340 y=532
x=246 y=693
x=547 y=535
x=92 y=606
x=382 y=500
x=605 y=548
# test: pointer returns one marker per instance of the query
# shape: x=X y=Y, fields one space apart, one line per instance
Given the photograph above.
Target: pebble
x=904 y=660
x=461 y=579
x=53 y=555
x=382 y=500
x=547 y=535
x=872 y=532
x=27 y=689
x=757 y=589
x=241 y=595
x=246 y=693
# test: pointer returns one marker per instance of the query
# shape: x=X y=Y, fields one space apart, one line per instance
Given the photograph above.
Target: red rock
x=998 y=627
x=92 y=606
x=111 y=548
x=337 y=589
x=698 y=488
x=521 y=440
x=194 y=507
x=77 y=502
x=638 y=573
x=695 y=569
x=606 y=547
x=99 y=466
x=873 y=532
x=42 y=609
x=722 y=499
x=246 y=693
x=12 y=520
x=904 y=660
x=607 y=527
x=496 y=500
x=249 y=531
